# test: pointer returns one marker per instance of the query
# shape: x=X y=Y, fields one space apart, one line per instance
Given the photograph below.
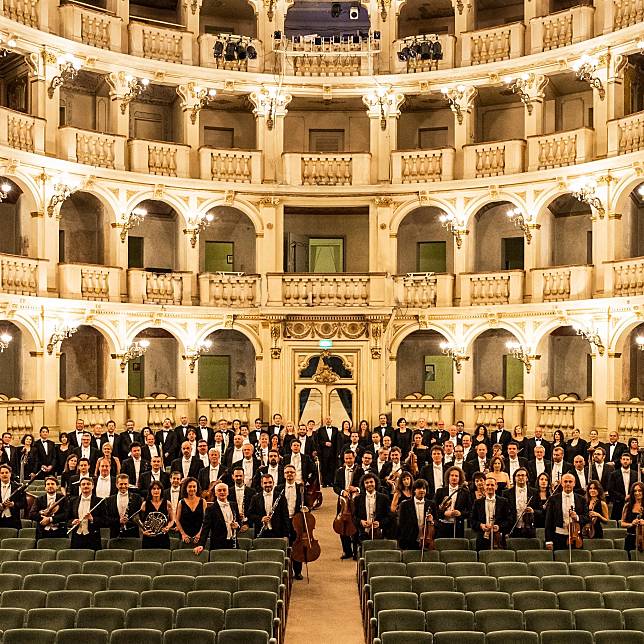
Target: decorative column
x=462 y=101
x=193 y=100
x=383 y=15
x=42 y=69
x=189 y=18
x=533 y=9
x=271 y=16
x=270 y=111
x=464 y=20
x=121 y=9
x=382 y=242
x=123 y=90
x=530 y=88
x=269 y=241
x=383 y=109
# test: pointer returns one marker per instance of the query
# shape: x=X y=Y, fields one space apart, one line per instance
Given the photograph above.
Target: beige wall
x=161 y=237
x=9 y=229
x=242 y=361
x=86 y=363
x=230 y=225
x=160 y=367
x=297 y=125
x=410 y=361
x=489 y=230
x=82 y=221
x=565 y=366
x=567 y=112
x=489 y=349
x=80 y=109
x=154 y=122
x=569 y=234
x=243 y=124
x=500 y=122
x=410 y=122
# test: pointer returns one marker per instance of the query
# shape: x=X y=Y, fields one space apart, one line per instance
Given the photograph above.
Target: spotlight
x=296 y=40
x=376 y=35
x=218 y=49
x=354 y=12
x=356 y=39
x=231 y=50
x=277 y=35
x=403 y=54
x=317 y=41
x=336 y=10
x=425 y=51
x=437 y=50
x=251 y=52
x=336 y=40
x=240 y=50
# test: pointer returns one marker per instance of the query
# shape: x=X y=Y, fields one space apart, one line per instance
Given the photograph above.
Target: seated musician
x=491 y=515
x=414 y=513
x=563 y=507
x=221 y=523
x=268 y=512
x=87 y=517
x=522 y=501
x=453 y=504
x=120 y=507
x=13 y=499
x=371 y=510
x=49 y=511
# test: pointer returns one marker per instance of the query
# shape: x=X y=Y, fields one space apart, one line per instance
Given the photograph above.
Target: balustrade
x=147 y=287
x=503 y=287
x=216 y=410
x=422 y=166
x=154 y=410
x=417 y=406
x=559 y=412
x=89 y=282
x=159 y=157
x=350 y=169
x=486 y=408
x=561 y=283
x=492 y=44
x=627 y=417
x=229 y=289
x=21 y=131
x=622 y=13
x=95 y=27
x=233 y=166
x=561 y=28
x=560 y=149
x=27 y=12
x=421 y=290
x=92 y=410
x=92 y=148
x=21 y=417
x=160 y=41
x=624 y=277
x=23 y=275
x=493 y=159
x=626 y=134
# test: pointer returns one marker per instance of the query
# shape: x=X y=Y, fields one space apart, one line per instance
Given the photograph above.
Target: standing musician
x=522 y=499
x=87 y=517
x=268 y=511
x=120 y=508
x=580 y=472
x=272 y=467
x=413 y=514
x=452 y=504
x=221 y=522
x=294 y=494
x=601 y=471
x=433 y=472
x=305 y=469
x=242 y=495
x=491 y=515
x=327 y=439
x=11 y=505
x=214 y=472
x=564 y=507
x=597 y=510
x=155 y=504
x=632 y=515
x=49 y=511
x=346 y=485
x=620 y=483
x=371 y=510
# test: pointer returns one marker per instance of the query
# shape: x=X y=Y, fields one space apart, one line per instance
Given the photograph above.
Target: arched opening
x=228 y=17
x=84 y=364
x=425 y=123
x=325 y=19
x=82 y=234
x=17 y=363
x=227 y=368
x=424 y=245
x=155 y=372
x=498 y=243
x=567 y=361
x=566 y=231
x=15 y=220
x=228 y=243
x=632 y=384
x=153 y=245
x=420 y=17
x=495 y=369
x=422 y=367
x=633 y=225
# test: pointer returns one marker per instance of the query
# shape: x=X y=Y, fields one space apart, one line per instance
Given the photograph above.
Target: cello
x=306 y=547
x=426 y=538
x=312 y=492
x=343 y=523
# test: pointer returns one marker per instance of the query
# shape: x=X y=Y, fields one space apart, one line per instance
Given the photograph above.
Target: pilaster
x=119 y=110
x=42 y=69
x=464 y=20
x=462 y=101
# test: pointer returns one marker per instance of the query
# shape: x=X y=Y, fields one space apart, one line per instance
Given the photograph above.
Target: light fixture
x=378 y=102
x=456 y=353
x=62 y=331
x=450 y=223
x=204 y=97
x=135 y=87
x=5 y=339
x=519 y=86
x=68 y=67
x=591 y=335
x=64 y=187
x=6 y=44
x=5 y=189
x=196 y=224
x=521 y=353
x=585 y=68
x=383 y=8
x=194 y=353
x=425 y=47
x=517 y=218
x=640 y=45
x=454 y=96
x=639 y=341
x=270 y=5
x=129 y=221
x=135 y=350
x=268 y=101
x=585 y=189
x=234 y=48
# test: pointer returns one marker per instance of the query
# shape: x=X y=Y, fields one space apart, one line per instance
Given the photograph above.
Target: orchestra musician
x=11 y=505
x=563 y=507
x=413 y=513
x=597 y=508
x=632 y=515
x=452 y=504
x=221 y=523
x=49 y=511
x=305 y=469
x=522 y=499
x=241 y=494
x=86 y=517
x=620 y=483
x=294 y=495
x=268 y=510
x=120 y=507
x=346 y=484
x=371 y=510
x=490 y=515
x=433 y=472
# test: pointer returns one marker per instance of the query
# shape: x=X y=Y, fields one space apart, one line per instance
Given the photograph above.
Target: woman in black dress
x=62 y=452
x=540 y=500
x=632 y=515
x=559 y=440
x=69 y=470
x=576 y=446
x=27 y=458
x=156 y=503
x=480 y=436
x=520 y=440
x=597 y=508
x=190 y=512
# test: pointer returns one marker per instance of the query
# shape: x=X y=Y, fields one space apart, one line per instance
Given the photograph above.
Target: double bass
x=306 y=547
x=312 y=492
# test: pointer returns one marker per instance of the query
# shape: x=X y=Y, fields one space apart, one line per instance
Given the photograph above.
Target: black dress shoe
x=346 y=556
x=298 y=577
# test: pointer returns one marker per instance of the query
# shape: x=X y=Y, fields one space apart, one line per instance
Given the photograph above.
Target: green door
x=219 y=256
x=432 y=257
x=326 y=255
x=438 y=376
x=512 y=253
x=134 y=252
x=135 y=377
x=512 y=376
x=214 y=377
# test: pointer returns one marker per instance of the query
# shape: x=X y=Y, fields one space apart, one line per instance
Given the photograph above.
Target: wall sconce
x=456 y=353
x=585 y=69
x=519 y=87
x=270 y=6
x=204 y=97
x=454 y=95
x=127 y=222
x=136 y=87
x=591 y=335
x=517 y=218
x=61 y=332
x=6 y=44
x=196 y=224
x=639 y=341
x=194 y=353
x=378 y=98
x=135 y=350
x=63 y=188
x=5 y=339
x=450 y=223
x=586 y=190
x=68 y=66
x=640 y=45
x=521 y=352
x=269 y=102
x=5 y=189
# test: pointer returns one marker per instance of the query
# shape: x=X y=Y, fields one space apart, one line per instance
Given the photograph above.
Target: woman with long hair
x=499 y=474
x=402 y=437
x=480 y=436
x=191 y=510
x=519 y=438
x=541 y=497
x=576 y=446
x=597 y=507
x=402 y=491
x=559 y=440
x=62 y=451
x=365 y=432
x=69 y=470
x=632 y=515
x=27 y=458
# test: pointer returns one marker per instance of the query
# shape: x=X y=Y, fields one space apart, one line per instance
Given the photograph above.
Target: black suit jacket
x=322 y=437
x=607 y=470
x=73 y=441
x=204 y=476
x=116 y=448
x=310 y=446
x=427 y=473
x=382 y=511
x=146 y=478
x=280 y=521
x=195 y=466
x=506 y=464
x=257 y=479
x=532 y=470
x=511 y=496
x=554 y=514
x=472 y=467
x=616 y=485
x=227 y=458
x=502 y=515
x=408 y=522
x=209 y=435
x=169 y=446
x=125 y=442
x=619 y=449
x=309 y=469
x=387 y=431
x=214 y=525
x=19 y=503
x=44 y=459
x=256 y=465
x=531 y=443
x=113 y=488
x=94 y=455
x=127 y=467
x=503 y=440
x=58 y=518
x=249 y=493
x=98 y=514
x=182 y=434
x=112 y=516
x=462 y=503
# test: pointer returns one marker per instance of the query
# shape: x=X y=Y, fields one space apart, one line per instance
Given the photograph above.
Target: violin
x=306 y=547
x=312 y=492
x=426 y=538
x=588 y=531
x=343 y=523
x=496 y=538
x=412 y=462
x=575 y=539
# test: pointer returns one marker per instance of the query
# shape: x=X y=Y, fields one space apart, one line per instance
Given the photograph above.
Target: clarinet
x=271 y=513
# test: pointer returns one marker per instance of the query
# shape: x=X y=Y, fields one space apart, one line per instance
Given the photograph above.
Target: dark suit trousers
x=560 y=542
x=222 y=544
x=350 y=545
x=86 y=541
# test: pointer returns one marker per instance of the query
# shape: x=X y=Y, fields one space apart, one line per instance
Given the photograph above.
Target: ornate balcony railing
x=159 y=157
x=492 y=44
x=154 y=410
x=147 y=287
x=626 y=417
x=561 y=28
x=92 y=148
x=95 y=27
x=234 y=166
x=230 y=409
x=622 y=13
x=416 y=64
x=502 y=287
x=422 y=290
x=486 y=408
x=27 y=12
x=160 y=41
x=422 y=166
x=89 y=282
x=350 y=169
x=21 y=131
x=561 y=283
x=560 y=149
x=94 y=411
x=229 y=289
x=206 y=59
x=626 y=134
x=493 y=159
x=23 y=275
x=417 y=406
x=21 y=417
x=559 y=412
x=624 y=277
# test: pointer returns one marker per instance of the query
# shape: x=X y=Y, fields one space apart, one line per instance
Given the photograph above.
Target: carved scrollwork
x=350 y=330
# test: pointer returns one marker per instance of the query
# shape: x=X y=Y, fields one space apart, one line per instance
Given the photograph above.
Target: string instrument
x=306 y=547
x=426 y=537
x=527 y=514
x=312 y=492
x=575 y=539
x=639 y=535
x=588 y=531
x=343 y=523
x=52 y=508
x=412 y=462
x=446 y=502
x=21 y=488
x=495 y=537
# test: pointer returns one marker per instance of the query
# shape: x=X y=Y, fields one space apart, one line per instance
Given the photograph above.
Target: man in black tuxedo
x=305 y=469
x=268 y=512
x=327 y=439
x=294 y=495
x=104 y=483
x=273 y=467
x=241 y=494
x=214 y=472
x=500 y=435
x=97 y=437
x=11 y=505
x=181 y=430
x=76 y=436
x=135 y=465
x=234 y=452
x=382 y=465
x=155 y=473
x=54 y=504
x=614 y=449
x=221 y=522
x=307 y=443
x=619 y=485
x=83 y=473
x=562 y=507
x=440 y=434
x=110 y=436
x=346 y=484
x=450 y=521
x=477 y=464
x=126 y=438
x=538 y=465
x=601 y=471
x=188 y=464
x=85 y=450
x=167 y=441
x=434 y=471
x=256 y=432
x=558 y=467
x=249 y=464
x=413 y=514
x=121 y=507
x=9 y=455
x=87 y=517
x=535 y=441
x=204 y=432
x=371 y=509
x=513 y=461
x=44 y=454
x=490 y=514
x=580 y=472
x=384 y=428
x=276 y=427
x=522 y=500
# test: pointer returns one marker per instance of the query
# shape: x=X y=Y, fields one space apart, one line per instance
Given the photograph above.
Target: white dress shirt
x=581 y=475
x=268 y=506
x=567 y=504
x=84 y=506
x=229 y=517
x=296 y=462
x=247 y=464
x=437 y=471
x=290 y=492
x=122 y=501
x=514 y=465
x=490 y=510
x=185 y=466
x=239 y=496
x=103 y=487
x=175 y=493
x=6 y=493
x=348 y=476
x=370 y=506
x=420 y=512
x=540 y=466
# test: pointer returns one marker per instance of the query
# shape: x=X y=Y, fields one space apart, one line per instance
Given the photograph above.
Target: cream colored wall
x=298 y=124
x=410 y=122
x=489 y=349
x=151 y=121
x=9 y=229
x=500 y=122
x=411 y=361
x=490 y=229
x=241 y=24
x=160 y=370
x=569 y=239
x=85 y=357
x=161 y=238
x=243 y=124
x=80 y=109
x=82 y=221
x=242 y=361
x=567 y=365
x=420 y=226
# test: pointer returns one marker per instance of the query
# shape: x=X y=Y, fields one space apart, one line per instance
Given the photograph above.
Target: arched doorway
x=228 y=243
x=83 y=235
x=499 y=246
x=155 y=372
x=496 y=371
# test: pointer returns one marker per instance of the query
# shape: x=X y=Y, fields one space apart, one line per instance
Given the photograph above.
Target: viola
x=312 y=492
x=343 y=523
x=588 y=531
x=428 y=534
x=574 y=533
